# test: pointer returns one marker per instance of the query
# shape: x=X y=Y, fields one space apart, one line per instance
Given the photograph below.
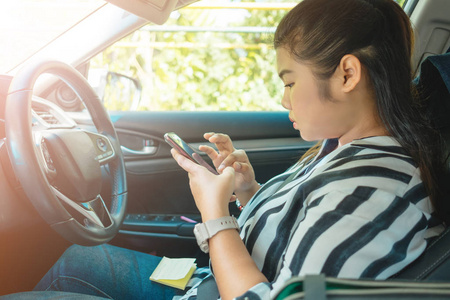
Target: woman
x=359 y=204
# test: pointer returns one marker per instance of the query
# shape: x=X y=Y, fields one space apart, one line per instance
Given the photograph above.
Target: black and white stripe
x=358 y=211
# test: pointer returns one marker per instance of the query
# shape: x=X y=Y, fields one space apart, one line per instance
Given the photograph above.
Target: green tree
x=201 y=69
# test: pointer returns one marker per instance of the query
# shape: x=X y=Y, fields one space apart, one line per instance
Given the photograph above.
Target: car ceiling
x=431 y=22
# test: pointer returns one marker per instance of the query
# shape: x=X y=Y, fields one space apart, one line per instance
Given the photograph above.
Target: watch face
x=202 y=238
x=197 y=232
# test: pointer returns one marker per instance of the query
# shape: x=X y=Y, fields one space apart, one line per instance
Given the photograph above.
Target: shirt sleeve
x=364 y=232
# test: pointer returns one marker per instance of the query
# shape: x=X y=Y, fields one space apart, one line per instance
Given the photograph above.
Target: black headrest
x=433 y=85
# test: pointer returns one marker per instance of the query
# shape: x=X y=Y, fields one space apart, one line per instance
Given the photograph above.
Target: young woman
x=359 y=204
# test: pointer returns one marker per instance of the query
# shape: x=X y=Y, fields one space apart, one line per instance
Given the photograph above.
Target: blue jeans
x=106 y=271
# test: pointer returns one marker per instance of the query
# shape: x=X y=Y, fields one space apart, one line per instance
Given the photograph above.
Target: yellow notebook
x=174 y=272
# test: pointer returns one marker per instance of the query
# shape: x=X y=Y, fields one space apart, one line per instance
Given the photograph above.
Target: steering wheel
x=59 y=166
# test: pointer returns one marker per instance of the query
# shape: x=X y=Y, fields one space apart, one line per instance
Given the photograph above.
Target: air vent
x=47 y=116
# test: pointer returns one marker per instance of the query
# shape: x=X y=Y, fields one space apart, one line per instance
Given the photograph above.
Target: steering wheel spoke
x=94 y=211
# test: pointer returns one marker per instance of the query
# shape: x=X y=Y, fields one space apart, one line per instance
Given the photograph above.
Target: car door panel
x=158 y=188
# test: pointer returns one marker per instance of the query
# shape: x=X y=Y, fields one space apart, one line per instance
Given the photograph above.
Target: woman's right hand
x=245 y=183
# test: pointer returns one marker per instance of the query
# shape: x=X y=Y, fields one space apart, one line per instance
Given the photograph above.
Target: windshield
x=28 y=25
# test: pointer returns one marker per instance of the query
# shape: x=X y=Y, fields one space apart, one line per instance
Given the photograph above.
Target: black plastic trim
x=159 y=224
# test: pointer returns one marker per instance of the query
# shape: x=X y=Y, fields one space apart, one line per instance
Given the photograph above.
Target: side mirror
x=117 y=91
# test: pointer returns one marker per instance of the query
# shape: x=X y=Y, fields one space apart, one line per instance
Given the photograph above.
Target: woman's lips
x=294 y=124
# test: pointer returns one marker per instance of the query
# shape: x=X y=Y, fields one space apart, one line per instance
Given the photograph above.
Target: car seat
x=433 y=83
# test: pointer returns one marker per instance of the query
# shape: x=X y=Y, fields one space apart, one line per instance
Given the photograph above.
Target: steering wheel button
x=102 y=145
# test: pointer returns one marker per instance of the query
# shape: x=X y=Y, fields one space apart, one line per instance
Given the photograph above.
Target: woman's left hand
x=212 y=193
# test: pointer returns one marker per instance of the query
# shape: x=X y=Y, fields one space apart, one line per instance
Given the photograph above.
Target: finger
x=183 y=162
x=227 y=162
x=215 y=157
x=219 y=138
x=208 y=135
x=236 y=156
x=241 y=167
x=210 y=151
x=222 y=142
x=228 y=172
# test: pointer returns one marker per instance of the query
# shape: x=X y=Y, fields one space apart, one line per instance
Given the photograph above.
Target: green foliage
x=200 y=69
x=401 y=2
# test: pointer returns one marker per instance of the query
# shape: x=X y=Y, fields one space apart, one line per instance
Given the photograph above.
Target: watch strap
x=204 y=231
x=217 y=225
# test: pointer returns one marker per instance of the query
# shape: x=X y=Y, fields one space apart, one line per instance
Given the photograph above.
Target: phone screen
x=181 y=146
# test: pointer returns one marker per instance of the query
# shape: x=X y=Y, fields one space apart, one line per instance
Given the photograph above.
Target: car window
x=209 y=56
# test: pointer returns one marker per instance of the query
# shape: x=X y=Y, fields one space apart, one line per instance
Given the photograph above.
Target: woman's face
x=314 y=116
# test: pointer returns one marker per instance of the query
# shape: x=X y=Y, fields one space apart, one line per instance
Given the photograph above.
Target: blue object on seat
x=48 y=295
x=441 y=63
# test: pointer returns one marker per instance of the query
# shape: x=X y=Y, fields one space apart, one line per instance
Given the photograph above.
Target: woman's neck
x=369 y=124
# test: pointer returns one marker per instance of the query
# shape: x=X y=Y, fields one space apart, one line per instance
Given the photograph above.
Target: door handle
x=146 y=150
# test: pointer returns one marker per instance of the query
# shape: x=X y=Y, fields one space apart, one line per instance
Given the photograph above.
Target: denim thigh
x=105 y=271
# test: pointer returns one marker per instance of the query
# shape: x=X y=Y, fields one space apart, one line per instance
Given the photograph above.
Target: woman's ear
x=350 y=72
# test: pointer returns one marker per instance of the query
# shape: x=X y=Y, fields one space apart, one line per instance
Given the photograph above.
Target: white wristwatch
x=204 y=231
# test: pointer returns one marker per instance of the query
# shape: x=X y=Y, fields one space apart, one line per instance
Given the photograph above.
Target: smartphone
x=181 y=146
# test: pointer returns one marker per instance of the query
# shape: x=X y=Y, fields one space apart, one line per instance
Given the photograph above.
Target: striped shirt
x=358 y=211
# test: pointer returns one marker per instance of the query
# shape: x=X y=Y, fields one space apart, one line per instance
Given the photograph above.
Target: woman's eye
x=289 y=85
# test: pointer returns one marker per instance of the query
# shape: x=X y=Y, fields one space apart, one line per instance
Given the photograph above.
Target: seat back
x=433 y=264
x=434 y=84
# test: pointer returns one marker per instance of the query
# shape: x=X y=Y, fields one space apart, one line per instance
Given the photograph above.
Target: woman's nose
x=285 y=101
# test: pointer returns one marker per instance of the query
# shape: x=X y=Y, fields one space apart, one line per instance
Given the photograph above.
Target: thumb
x=241 y=167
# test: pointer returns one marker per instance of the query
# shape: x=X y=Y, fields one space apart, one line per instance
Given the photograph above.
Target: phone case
x=184 y=149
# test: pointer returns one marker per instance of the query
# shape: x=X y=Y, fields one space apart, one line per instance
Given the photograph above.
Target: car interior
x=60 y=148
